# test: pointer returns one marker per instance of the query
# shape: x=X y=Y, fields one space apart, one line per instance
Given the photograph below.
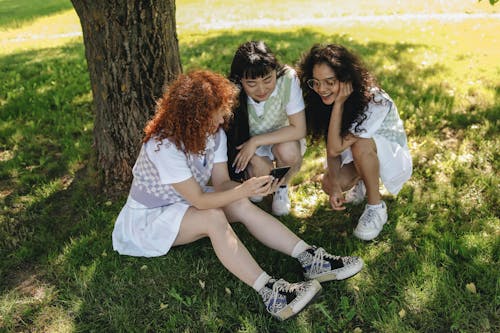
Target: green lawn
x=435 y=267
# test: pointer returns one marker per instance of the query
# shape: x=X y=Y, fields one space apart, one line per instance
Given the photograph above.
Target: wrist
x=253 y=141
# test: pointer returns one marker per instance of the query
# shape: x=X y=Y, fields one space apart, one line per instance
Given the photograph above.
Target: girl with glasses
x=269 y=123
x=170 y=204
x=365 y=137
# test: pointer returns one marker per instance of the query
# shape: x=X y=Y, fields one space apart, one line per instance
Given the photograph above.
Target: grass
x=433 y=269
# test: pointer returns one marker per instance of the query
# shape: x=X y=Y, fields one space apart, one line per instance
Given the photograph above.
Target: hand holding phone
x=280 y=172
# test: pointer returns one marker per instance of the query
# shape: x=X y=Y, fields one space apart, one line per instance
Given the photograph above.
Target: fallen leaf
x=471 y=287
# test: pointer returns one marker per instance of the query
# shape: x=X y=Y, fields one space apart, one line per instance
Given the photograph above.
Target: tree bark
x=132 y=52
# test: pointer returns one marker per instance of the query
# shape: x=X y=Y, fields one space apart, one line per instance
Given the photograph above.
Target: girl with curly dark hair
x=170 y=203
x=365 y=137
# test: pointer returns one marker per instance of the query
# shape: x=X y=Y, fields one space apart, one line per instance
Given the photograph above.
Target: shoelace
x=317 y=262
x=371 y=217
x=283 y=286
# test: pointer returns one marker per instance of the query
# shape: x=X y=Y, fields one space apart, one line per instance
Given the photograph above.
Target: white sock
x=261 y=281
x=300 y=247
x=379 y=205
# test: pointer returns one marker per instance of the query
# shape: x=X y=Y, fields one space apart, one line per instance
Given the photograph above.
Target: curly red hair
x=185 y=112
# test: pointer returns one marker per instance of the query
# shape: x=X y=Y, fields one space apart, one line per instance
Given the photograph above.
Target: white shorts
x=267 y=150
x=147 y=232
x=395 y=162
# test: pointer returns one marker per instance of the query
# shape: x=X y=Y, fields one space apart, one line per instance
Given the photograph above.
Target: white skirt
x=147 y=232
x=395 y=163
x=267 y=150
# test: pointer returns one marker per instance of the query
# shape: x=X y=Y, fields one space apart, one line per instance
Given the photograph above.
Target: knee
x=287 y=153
x=215 y=220
x=363 y=149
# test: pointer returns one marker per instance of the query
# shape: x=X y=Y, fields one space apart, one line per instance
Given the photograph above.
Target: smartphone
x=279 y=172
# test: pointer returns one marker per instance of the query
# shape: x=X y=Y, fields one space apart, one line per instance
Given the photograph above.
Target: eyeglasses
x=316 y=84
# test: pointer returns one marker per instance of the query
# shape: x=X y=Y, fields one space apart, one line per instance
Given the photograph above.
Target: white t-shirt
x=296 y=103
x=175 y=159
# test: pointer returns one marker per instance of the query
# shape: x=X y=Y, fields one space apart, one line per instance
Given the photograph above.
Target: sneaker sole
x=330 y=276
x=368 y=236
x=280 y=213
x=288 y=312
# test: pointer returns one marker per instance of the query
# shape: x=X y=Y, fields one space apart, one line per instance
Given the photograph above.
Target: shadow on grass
x=420 y=263
x=15 y=13
x=45 y=137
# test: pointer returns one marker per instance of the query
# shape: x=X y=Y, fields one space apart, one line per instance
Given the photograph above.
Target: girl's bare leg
x=364 y=152
x=347 y=178
x=288 y=154
x=259 y=166
x=263 y=226
x=231 y=252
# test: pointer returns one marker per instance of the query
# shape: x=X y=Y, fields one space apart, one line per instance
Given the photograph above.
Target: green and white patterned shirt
x=272 y=114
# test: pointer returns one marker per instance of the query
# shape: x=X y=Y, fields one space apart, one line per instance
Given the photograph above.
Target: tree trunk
x=132 y=53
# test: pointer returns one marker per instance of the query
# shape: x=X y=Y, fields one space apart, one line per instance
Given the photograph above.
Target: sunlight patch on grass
x=420 y=292
x=54 y=319
x=6 y=155
x=47 y=32
x=377 y=250
x=478 y=243
x=28 y=301
x=403 y=232
x=306 y=199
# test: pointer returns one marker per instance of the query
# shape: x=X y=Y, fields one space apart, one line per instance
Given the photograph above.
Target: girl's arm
x=336 y=144
x=226 y=192
x=336 y=197
x=295 y=131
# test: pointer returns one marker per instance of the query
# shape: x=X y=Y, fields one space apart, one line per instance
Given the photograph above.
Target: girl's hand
x=258 y=186
x=276 y=184
x=337 y=200
x=345 y=90
x=246 y=152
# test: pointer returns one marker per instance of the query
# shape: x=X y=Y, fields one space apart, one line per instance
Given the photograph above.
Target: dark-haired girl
x=365 y=138
x=269 y=123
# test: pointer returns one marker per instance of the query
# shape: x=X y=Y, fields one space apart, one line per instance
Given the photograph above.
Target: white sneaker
x=371 y=222
x=356 y=195
x=281 y=202
x=256 y=198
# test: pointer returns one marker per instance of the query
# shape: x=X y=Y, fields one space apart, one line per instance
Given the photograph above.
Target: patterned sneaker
x=371 y=222
x=356 y=195
x=322 y=266
x=281 y=202
x=284 y=300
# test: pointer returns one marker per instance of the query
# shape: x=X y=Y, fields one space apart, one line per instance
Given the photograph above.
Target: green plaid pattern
x=274 y=116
